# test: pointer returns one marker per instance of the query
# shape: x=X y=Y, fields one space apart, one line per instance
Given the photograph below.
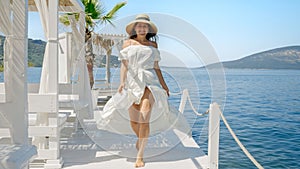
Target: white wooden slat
x=42 y=131
x=46 y=154
x=62 y=118
x=4 y=132
x=64 y=88
x=2 y=98
x=2 y=93
x=2 y=88
x=42 y=102
x=33 y=87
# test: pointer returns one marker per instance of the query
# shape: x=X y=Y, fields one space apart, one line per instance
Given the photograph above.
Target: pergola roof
x=64 y=5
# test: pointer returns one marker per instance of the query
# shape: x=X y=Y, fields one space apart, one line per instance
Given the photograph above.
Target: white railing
x=213 y=136
x=214 y=130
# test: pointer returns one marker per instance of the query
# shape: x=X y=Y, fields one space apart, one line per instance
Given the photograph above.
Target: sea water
x=261 y=106
x=263 y=109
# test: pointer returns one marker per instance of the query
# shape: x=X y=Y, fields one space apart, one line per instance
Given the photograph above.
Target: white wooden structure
x=63 y=84
x=104 y=87
x=58 y=89
x=117 y=41
x=17 y=153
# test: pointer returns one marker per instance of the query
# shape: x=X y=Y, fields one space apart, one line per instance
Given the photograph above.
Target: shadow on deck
x=101 y=149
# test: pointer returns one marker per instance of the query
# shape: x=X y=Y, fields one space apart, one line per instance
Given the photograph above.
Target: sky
x=235 y=28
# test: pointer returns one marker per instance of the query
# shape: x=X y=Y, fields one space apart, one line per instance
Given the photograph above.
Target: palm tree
x=94 y=15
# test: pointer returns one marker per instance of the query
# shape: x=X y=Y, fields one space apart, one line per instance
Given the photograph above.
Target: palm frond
x=93 y=12
x=107 y=21
x=92 y=8
x=64 y=19
x=111 y=14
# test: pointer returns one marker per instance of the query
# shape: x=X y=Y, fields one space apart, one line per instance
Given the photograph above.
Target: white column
x=52 y=85
x=107 y=75
x=53 y=46
x=54 y=142
x=17 y=108
x=213 y=136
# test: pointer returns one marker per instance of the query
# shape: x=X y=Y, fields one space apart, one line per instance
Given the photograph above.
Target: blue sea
x=263 y=109
x=261 y=106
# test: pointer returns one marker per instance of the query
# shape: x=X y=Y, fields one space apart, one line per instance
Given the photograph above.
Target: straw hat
x=144 y=18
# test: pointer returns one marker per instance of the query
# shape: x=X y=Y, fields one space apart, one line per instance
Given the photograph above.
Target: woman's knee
x=144 y=125
x=145 y=106
x=134 y=123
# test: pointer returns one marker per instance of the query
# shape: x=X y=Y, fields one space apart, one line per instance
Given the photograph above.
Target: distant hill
x=36 y=49
x=279 y=58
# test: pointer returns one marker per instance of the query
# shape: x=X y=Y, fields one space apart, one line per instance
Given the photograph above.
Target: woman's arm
x=123 y=69
x=123 y=75
x=160 y=77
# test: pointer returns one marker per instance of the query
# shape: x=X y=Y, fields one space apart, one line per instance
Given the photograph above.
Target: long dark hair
x=150 y=36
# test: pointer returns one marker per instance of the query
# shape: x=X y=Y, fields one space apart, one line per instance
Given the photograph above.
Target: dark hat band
x=142 y=18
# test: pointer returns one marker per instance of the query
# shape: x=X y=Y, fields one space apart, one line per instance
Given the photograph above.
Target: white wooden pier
x=41 y=120
x=178 y=151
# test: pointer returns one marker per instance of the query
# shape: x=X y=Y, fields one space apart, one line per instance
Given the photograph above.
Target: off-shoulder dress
x=141 y=74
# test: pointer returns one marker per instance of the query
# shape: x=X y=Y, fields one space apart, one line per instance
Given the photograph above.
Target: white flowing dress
x=141 y=74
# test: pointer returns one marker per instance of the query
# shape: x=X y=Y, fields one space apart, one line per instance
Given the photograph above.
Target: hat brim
x=130 y=26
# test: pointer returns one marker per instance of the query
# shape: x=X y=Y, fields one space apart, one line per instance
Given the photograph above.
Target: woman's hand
x=121 y=87
x=167 y=90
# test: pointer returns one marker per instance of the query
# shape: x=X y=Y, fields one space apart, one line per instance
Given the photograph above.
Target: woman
x=142 y=96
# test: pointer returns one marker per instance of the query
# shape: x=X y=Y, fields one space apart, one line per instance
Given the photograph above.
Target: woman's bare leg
x=144 y=128
x=134 y=115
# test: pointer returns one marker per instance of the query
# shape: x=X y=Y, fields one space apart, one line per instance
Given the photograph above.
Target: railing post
x=213 y=136
x=183 y=100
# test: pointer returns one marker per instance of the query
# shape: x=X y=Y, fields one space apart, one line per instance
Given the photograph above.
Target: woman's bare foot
x=139 y=163
x=137 y=144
